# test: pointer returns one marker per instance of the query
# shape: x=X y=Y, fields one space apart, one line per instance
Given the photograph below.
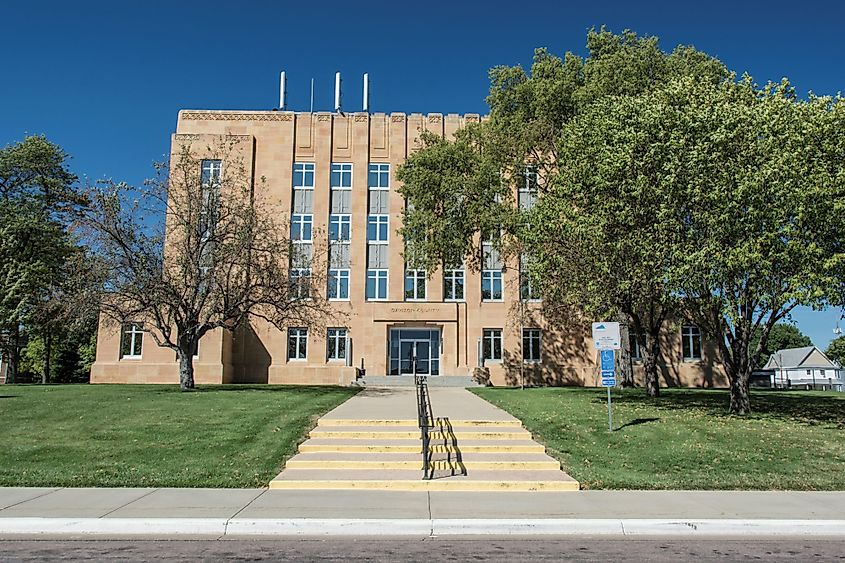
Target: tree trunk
x=625 y=367
x=740 y=399
x=650 y=354
x=14 y=356
x=186 y=367
x=48 y=349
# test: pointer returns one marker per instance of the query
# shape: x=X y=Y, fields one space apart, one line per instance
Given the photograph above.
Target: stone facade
x=273 y=142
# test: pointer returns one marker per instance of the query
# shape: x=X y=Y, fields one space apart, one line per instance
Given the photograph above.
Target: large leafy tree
x=764 y=215
x=552 y=119
x=39 y=200
x=188 y=254
x=608 y=229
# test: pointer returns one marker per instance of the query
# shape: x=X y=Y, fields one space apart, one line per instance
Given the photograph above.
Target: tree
x=39 y=200
x=217 y=259
x=836 y=350
x=782 y=336
x=607 y=229
x=763 y=233
x=594 y=244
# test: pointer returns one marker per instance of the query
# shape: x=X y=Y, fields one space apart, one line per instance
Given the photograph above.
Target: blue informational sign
x=607 y=361
x=608 y=378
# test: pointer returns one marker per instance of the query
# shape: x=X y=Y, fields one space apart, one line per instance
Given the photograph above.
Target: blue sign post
x=607 y=363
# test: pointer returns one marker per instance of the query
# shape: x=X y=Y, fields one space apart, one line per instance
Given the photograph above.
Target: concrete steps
x=408 y=381
x=473 y=454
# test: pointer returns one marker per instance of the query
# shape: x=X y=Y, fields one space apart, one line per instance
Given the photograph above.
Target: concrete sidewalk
x=243 y=512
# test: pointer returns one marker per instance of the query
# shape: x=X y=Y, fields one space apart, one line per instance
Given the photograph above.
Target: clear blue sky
x=106 y=79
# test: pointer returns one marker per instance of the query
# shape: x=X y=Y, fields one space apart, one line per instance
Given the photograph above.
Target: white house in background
x=806 y=368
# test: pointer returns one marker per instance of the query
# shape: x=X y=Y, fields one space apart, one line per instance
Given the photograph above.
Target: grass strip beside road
x=154 y=435
x=685 y=439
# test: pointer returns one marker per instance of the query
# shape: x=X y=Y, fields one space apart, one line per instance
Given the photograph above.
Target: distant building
x=804 y=368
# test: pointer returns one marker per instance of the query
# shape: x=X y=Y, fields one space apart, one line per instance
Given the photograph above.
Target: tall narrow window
x=376 y=284
x=297 y=343
x=531 y=345
x=341 y=176
x=338 y=284
x=131 y=341
x=210 y=192
x=300 y=227
x=636 y=349
x=528 y=188
x=453 y=285
x=377 y=228
x=300 y=283
x=415 y=285
x=491 y=285
x=336 y=344
x=211 y=172
x=491 y=344
x=691 y=337
x=379 y=177
x=303 y=175
x=340 y=227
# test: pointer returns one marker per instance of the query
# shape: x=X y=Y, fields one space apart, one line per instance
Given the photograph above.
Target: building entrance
x=414 y=351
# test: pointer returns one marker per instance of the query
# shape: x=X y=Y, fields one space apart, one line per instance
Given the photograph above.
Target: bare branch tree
x=220 y=256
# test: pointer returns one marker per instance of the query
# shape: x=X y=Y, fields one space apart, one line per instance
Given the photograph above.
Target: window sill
x=492 y=300
x=291 y=360
x=339 y=299
x=376 y=299
x=532 y=362
x=692 y=360
x=130 y=358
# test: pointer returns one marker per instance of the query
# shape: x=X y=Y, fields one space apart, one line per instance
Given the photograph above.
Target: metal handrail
x=425 y=419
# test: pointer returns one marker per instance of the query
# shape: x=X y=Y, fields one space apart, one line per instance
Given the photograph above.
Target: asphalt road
x=429 y=550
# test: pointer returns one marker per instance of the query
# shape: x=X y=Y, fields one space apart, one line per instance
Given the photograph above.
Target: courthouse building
x=333 y=177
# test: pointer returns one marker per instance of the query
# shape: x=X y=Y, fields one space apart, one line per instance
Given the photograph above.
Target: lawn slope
x=154 y=436
x=685 y=439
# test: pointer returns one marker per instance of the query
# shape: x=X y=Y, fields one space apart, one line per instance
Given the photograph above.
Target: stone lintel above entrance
x=400 y=311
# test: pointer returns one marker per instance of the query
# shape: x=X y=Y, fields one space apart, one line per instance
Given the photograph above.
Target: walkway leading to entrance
x=373 y=441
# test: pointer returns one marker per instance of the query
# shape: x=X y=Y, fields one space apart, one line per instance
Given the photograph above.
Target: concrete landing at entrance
x=373 y=441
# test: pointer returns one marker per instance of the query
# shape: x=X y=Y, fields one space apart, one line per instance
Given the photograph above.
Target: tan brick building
x=333 y=177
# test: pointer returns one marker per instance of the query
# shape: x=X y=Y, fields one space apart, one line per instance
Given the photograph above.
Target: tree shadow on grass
x=805 y=407
x=637 y=421
x=8 y=396
x=262 y=388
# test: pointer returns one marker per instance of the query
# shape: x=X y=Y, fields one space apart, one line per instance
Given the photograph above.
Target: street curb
x=133 y=527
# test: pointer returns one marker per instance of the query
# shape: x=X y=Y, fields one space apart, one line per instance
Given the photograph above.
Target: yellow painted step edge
x=416 y=464
x=364 y=448
x=335 y=422
x=400 y=435
x=426 y=485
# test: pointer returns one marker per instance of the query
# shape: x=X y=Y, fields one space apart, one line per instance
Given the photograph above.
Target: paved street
x=432 y=550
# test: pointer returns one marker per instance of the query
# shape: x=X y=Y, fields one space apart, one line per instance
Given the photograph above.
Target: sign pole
x=609 y=412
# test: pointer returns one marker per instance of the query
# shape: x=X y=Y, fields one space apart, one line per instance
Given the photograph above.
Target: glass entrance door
x=414 y=351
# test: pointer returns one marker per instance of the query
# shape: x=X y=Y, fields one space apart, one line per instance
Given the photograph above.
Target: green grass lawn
x=685 y=439
x=154 y=435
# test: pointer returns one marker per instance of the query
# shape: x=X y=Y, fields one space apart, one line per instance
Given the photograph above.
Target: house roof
x=804 y=357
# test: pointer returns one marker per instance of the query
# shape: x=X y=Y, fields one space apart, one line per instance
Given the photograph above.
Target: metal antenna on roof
x=282 y=90
x=312 y=95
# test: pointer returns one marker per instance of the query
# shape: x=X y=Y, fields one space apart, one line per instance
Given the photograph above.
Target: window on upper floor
x=303 y=175
x=453 y=285
x=491 y=285
x=340 y=227
x=341 y=176
x=376 y=285
x=415 y=285
x=379 y=177
x=378 y=228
